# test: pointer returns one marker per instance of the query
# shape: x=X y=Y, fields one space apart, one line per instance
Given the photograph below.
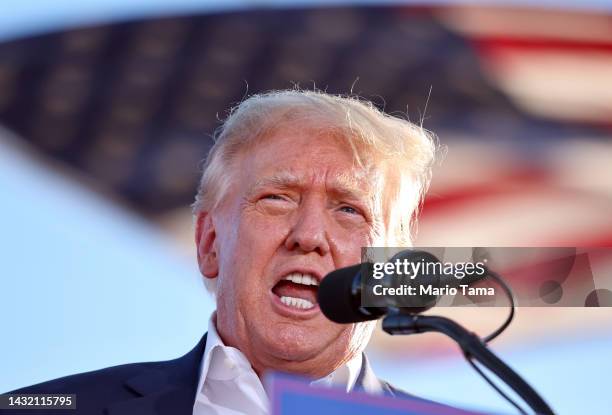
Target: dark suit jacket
x=167 y=387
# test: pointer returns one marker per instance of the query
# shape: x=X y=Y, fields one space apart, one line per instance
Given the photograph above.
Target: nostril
x=307 y=236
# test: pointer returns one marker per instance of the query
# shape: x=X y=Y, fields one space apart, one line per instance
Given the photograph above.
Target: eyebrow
x=344 y=185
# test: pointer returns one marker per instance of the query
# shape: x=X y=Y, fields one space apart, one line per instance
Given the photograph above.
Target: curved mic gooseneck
x=471 y=345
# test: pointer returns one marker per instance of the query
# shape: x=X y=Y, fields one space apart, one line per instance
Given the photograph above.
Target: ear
x=205 y=237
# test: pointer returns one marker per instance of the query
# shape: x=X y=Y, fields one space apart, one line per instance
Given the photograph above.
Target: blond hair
x=368 y=131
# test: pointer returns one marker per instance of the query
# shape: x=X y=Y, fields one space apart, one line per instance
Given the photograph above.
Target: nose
x=309 y=231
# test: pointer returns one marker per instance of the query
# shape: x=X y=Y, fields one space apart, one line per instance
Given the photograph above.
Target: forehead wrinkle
x=349 y=185
x=282 y=179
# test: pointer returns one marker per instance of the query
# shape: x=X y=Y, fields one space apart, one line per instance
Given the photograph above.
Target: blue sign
x=292 y=395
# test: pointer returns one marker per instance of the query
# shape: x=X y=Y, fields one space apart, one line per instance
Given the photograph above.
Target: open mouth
x=298 y=291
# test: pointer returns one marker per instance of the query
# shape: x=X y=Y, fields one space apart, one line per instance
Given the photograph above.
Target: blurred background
x=107 y=108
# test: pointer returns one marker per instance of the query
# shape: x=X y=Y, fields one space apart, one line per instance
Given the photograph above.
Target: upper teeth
x=299 y=278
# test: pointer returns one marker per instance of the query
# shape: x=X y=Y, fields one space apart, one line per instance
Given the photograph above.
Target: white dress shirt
x=229 y=386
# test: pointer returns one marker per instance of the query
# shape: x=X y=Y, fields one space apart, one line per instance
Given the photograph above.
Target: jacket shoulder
x=98 y=379
x=94 y=390
x=98 y=389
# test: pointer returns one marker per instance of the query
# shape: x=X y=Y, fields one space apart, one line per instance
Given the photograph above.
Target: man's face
x=297 y=207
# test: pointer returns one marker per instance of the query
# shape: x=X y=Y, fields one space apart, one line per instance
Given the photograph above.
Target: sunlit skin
x=290 y=207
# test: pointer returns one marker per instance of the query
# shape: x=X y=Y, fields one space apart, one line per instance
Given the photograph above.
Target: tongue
x=291 y=289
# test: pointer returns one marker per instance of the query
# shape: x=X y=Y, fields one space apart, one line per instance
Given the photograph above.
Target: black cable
x=510 y=296
x=508 y=291
x=493 y=385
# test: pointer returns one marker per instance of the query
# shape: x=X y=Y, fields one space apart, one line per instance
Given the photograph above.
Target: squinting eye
x=272 y=197
x=349 y=209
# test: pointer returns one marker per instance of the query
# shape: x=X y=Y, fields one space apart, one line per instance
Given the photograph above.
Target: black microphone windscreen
x=338 y=299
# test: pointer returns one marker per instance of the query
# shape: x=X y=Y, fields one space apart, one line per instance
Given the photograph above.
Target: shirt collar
x=221 y=362
x=345 y=376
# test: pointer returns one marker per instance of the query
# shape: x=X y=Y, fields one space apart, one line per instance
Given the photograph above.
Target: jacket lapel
x=368 y=382
x=165 y=388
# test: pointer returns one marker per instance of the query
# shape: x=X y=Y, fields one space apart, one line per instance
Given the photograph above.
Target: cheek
x=348 y=247
x=262 y=235
x=247 y=252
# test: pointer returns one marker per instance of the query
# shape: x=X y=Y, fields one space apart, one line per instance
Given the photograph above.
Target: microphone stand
x=398 y=322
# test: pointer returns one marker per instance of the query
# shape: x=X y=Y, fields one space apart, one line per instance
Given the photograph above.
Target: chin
x=296 y=343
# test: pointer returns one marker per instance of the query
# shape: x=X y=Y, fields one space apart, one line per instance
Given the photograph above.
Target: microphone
x=340 y=299
x=343 y=292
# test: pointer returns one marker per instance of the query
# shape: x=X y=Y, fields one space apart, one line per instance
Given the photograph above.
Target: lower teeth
x=296 y=302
